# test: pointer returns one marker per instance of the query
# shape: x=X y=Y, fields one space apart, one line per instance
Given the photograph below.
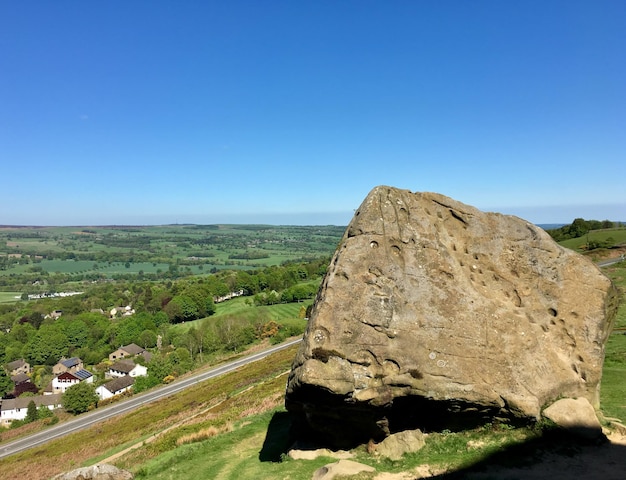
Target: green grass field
x=578 y=244
x=242 y=308
x=613 y=393
x=194 y=249
x=9 y=297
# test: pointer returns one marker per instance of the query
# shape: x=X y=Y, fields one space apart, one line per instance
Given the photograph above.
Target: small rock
x=342 y=467
x=320 y=452
x=577 y=416
x=95 y=472
x=396 y=445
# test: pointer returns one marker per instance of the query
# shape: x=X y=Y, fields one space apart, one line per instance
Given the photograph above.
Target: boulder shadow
x=556 y=455
x=278 y=438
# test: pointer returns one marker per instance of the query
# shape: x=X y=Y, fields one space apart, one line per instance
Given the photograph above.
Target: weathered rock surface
x=95 y=472
x=434 y=314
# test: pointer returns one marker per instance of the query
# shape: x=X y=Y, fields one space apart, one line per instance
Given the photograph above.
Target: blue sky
x=153 y=112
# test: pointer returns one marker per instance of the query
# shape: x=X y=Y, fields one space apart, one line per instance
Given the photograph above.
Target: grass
x=164 y=245
x=9 y=297
x=578 y=244
x=283 y=313
x=613 y=387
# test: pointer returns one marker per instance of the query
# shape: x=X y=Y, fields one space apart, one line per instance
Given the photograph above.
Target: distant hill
x=551 y=226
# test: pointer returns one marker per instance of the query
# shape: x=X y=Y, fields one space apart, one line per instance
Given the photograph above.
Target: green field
x=618 y=235
x=240 y=307
x=28 y=254
x=613 y=393
x=9 y=297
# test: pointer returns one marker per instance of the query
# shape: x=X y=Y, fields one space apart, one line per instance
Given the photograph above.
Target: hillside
x=235 y=427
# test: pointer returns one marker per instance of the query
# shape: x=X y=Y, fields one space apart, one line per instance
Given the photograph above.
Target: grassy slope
x=254 y=428
x=265 y=380
x=237 y=455
x=613 y=388
x=241 y=307
x=578 y=244
x=8 y=297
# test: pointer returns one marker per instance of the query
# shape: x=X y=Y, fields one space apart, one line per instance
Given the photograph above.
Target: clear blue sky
x=152 y=112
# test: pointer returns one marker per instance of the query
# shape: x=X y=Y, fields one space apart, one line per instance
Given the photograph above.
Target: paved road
x=611 y=261
x=88 y=419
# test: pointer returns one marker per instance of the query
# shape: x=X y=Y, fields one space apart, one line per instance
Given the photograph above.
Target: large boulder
x=436 y=315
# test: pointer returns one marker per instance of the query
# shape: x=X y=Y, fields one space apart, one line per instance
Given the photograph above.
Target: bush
x=80 y=398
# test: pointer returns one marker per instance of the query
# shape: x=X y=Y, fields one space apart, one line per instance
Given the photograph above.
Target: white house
x=116 y=386
x=16 y=408
x=64 y=381
x=126 y=367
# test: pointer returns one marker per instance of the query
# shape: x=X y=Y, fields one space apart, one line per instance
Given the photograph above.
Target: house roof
x=119 y=383
x=68 y=376
x=16 y=364
x=22 y=402
x=123 y=366
x=83 y=374
x=132 y=349
x=71 y=362
x=20 y=378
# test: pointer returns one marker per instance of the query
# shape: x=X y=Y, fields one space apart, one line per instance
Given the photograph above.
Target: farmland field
x=618 y=235
x=42 y=255
x=8 y=297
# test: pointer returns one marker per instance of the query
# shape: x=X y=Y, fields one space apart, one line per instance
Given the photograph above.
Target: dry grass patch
x=204 y=434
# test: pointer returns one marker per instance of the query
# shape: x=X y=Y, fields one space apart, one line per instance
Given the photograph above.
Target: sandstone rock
x=577 y=416
x=297 y=454
x=341 y=468
x=396 y=445
x=434 y=315
x=95 y=472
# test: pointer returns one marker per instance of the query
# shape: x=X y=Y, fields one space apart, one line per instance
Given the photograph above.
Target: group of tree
x=86 y=329
x=579 y=228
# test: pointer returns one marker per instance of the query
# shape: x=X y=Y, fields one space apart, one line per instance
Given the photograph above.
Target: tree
x=6 y=385
x=31 y=412
x=44 y=412
x=182 y=308
x=79 y=398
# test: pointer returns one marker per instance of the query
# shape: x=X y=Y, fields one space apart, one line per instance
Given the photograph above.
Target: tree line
x=580 y=227
x=85 y=328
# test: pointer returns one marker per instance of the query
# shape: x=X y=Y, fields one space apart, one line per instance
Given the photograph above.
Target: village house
x=17 y=367
x=17 y=408
x=20 y=378
x=126 y=311
x=70 y=365
x=131 y=350
x=116 y=386
x=53 y=315
x=65 y=380
x=126 y=367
